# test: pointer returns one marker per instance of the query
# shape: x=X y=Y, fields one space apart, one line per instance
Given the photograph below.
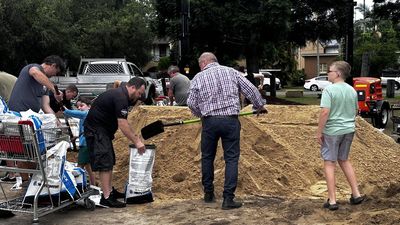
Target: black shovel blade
x=152 y=129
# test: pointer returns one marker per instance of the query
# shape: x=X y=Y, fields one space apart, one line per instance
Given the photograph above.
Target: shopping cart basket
x=21 y=143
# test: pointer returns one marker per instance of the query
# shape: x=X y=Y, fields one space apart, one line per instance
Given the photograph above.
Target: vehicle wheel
x=397 y=85
x=381 y=119
x=314 y=88
x=266 y=87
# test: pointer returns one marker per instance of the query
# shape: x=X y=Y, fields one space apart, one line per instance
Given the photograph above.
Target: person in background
x=7 y=82
x=336 y=127
x=109 y=112
x=31 y=91
x=68 y=94
x=83 y=104
x=32 y=88
x=214 y=96
x=178 y=87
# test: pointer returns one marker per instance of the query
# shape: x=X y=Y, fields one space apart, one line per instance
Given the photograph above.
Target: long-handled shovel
x=71 y=135
x=157 y=127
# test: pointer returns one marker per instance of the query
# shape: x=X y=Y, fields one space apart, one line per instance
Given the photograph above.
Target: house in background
x=307 y=57
x=161 y=47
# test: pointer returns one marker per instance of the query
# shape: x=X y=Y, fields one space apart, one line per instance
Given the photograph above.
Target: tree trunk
x=365 y=64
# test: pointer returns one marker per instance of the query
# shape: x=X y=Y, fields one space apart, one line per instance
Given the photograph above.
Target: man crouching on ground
x=108 y=113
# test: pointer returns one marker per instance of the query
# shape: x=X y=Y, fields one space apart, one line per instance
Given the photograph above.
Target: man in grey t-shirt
x=178 y=87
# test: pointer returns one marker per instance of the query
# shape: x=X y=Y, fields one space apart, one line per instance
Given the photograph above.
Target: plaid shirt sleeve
x=193 y=97
x=251 y=92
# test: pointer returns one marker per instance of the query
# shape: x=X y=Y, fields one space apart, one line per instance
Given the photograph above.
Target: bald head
x=206 y=58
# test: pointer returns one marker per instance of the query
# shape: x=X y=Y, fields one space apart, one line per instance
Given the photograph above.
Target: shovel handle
x=198 y=120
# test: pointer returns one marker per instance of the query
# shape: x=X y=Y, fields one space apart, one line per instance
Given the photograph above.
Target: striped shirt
x=215 y=91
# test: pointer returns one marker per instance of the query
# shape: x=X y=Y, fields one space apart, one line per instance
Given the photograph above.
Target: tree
x=230 y=29
x=33 y=29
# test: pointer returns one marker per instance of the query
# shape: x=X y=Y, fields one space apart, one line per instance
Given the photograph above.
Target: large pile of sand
x=279 y=155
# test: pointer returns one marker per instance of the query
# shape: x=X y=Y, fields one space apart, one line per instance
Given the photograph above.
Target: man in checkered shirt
x=214 y=96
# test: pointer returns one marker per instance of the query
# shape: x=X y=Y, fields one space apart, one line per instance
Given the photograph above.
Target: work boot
x=117 y=194
x=229 y=203
x=111 y=202
x=209 y=197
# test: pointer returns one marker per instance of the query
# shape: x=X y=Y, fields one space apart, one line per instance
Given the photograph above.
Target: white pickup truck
x=391 y=75
x=96 y=75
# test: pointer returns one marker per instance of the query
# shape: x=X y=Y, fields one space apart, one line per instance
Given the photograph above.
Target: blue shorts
x=336 y=147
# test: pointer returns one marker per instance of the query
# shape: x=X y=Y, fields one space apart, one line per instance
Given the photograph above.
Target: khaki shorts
x=336 y=147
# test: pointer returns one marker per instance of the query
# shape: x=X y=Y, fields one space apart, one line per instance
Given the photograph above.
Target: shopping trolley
x=21 y=143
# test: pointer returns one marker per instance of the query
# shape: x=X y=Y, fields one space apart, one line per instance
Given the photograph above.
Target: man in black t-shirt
x=68 y=94
x=108 y=113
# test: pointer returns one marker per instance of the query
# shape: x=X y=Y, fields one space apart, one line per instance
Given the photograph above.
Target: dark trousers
x=228 y=129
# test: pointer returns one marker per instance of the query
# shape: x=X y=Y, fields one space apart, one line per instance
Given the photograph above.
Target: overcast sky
x=359 y=15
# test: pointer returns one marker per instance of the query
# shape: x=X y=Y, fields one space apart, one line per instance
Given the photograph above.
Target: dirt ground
x=281 y=179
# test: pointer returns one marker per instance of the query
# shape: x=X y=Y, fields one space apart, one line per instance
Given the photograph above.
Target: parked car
x=317 y=83
x=267 y=81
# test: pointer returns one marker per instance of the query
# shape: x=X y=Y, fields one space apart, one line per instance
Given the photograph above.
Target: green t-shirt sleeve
x=325 y=99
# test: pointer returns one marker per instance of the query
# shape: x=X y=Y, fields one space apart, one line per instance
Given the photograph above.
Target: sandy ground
x=280 y=175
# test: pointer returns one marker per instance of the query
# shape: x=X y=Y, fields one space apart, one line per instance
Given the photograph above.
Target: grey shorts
x=336 y=147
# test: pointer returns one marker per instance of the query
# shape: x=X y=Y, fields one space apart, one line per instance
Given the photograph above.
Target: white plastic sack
x=58 y=179
x=138 y=188
x=49 y=121
x=3 y=106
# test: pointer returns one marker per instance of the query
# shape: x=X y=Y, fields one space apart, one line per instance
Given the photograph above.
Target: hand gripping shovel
x=71 y=136
x=157 y=127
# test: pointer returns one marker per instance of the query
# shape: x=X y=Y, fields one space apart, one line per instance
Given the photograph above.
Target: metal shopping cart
x=21 y=143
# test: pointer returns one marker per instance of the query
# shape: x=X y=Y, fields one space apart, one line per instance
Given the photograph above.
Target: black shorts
x=101 y=151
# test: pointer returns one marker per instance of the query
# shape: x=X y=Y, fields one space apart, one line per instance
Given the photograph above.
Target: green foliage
x=380 y=48
x=164 y=63
x=297 y=78
x=33 y=29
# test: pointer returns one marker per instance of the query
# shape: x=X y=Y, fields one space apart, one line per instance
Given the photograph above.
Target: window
x=163 y=50
x=323 y=68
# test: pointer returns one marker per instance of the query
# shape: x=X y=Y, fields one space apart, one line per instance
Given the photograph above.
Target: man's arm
x=46 y=105
x=40 y=77
x=171 y=96
x=123 y=125
x=323 y=118
x=47 y=109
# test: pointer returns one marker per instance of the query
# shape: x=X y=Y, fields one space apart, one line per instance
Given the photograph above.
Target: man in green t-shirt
x=336 y=129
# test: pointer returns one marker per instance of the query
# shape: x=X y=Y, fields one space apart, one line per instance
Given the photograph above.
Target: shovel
x=71 y=136
x=157 y=127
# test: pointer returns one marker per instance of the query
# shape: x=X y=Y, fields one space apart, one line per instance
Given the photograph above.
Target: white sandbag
x=49 y=121
x=58 y=179
x=138 y=188
x=3 y=106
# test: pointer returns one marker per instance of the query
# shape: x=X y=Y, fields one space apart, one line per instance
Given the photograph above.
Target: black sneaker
x=7 y=178
x=117 y=194
x=209 y=197
x=111 y=202
x=330 y=206
x=229 y=203
x=356 y=201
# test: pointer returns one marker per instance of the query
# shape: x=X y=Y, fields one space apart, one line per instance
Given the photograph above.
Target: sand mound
x=279 y=155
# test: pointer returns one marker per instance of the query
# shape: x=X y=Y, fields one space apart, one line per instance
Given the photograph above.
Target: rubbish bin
x=391 y=85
